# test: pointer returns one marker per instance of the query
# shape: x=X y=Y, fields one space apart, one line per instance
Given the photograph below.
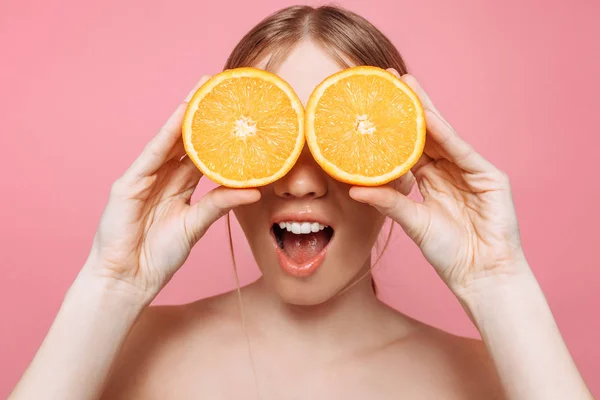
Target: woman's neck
x=354 y=318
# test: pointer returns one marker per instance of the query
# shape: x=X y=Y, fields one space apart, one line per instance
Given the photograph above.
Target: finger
x=184 y=179
x=216 y=203
x=455 y=149
x=420 y=92
x=447 y=143
x=423 y=97
x=161 y=147
x=432 y=150
x=158 y=150
x=394 y=71
x=201 y=82
x=404 y=184
x=424 y=160
x=409 y=214
x=178 y=151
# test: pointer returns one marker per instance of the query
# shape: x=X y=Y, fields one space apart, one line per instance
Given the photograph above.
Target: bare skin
x=305 y=341
x=200 y=351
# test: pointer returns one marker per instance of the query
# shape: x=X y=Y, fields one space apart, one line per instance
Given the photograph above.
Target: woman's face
x=309 y=268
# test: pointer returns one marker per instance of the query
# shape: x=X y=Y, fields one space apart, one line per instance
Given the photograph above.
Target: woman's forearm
x=75 y=358
x=523 y=339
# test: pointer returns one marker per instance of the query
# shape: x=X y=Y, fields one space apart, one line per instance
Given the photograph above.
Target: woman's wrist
x=108 y=289
x=480 y=293
x=521 y=335
x=90 y=327
x=483 y=299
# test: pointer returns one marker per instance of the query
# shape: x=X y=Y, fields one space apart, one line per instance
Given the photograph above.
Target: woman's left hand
x=466 y=225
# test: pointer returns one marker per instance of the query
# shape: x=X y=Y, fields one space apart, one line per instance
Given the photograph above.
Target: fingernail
x=191 y=93
x=196 y=87
x=394 y=71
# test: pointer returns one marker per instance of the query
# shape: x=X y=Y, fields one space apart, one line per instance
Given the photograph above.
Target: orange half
x=244 y=128
x=365 y=126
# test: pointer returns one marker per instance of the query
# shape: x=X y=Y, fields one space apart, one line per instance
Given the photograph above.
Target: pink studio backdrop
x=86 y=84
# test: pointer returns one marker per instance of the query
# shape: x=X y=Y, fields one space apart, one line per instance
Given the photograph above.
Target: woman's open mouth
x=301 y=245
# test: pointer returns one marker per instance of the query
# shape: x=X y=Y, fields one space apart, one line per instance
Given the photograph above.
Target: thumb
x=412 y=216
x=212 y=206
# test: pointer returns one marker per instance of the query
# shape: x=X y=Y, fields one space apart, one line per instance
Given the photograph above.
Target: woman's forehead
x=305 y=67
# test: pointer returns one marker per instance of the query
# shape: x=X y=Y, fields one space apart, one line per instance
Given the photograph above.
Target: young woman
x=322 y=335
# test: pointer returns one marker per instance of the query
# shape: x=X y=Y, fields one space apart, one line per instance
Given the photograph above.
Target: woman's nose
x=306 y=180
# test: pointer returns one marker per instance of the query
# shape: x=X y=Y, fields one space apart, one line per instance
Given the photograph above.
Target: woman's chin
x=304 y=296
x=306 y=292
x=331 y=274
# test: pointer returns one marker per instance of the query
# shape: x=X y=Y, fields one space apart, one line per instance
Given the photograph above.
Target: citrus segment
x=244 y=128
x=364 y=126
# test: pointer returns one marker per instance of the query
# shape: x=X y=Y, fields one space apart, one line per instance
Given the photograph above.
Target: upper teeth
x=302 y=227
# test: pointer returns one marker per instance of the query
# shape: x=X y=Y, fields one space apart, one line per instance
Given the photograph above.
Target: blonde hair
x=343 y=34
x=347 y=37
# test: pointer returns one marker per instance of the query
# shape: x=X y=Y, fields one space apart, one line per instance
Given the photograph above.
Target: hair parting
x=343 y=34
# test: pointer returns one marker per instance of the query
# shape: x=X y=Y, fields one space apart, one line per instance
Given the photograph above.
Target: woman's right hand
x=149 y=227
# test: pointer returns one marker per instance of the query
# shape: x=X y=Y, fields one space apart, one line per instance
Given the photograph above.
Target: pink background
x=85 y=84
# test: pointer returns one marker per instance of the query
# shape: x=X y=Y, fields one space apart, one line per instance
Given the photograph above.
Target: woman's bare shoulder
x=456 y=366
x=165 y=337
